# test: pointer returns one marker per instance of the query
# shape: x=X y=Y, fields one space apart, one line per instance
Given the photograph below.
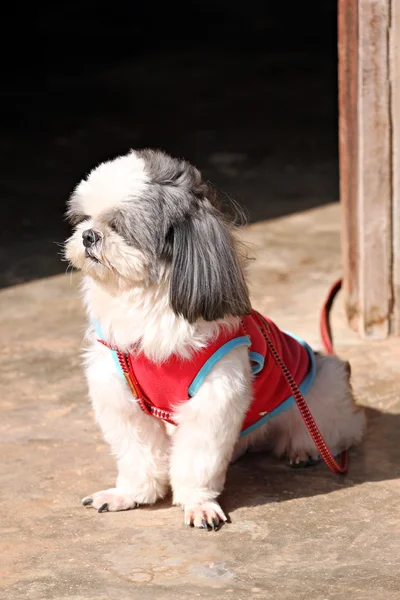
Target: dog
x=163 y=283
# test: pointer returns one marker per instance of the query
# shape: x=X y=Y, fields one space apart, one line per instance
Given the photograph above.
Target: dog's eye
x=113 y=226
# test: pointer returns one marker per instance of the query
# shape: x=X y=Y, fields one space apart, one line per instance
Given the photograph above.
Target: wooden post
x=395 y=116
x=348 y=151
x=365 y=163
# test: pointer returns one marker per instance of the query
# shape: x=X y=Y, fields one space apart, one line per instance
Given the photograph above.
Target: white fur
x=105 y=187
x=131 y=309
x=143 y=315
x=139 y=442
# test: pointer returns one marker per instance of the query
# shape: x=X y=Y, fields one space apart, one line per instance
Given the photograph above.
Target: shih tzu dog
x=178 y=368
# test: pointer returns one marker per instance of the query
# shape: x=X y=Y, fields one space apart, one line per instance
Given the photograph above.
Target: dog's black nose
x=90 y=237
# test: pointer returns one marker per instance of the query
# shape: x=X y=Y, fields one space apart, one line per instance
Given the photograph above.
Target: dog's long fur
x=166 y=274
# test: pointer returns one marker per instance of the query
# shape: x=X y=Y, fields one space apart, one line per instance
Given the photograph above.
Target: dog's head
x=147 y=218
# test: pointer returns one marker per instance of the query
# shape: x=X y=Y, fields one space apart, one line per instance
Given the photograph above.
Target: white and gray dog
x=163 y=280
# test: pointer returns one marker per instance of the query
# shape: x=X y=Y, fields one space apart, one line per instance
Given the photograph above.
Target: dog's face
x=146 y=218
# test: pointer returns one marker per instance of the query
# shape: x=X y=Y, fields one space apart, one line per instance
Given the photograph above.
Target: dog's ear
x=207 y=280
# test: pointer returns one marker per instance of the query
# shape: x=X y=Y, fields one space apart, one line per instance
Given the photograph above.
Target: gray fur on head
x=172 y=217
x=207 y=280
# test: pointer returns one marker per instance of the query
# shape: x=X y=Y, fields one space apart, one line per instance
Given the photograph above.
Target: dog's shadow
x=258 y=479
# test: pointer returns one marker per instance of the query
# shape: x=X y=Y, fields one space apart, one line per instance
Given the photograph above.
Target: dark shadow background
x=247 y=91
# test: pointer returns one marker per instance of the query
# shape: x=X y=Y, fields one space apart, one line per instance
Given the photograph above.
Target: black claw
x=103 y=507
x=214 y=524
x=87 y=501
x=204 y=524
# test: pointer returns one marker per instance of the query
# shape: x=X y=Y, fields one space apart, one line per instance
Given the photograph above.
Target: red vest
x=167 y=385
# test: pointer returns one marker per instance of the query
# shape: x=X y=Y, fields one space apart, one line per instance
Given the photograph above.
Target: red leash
x=324 y=325
x=334 y=465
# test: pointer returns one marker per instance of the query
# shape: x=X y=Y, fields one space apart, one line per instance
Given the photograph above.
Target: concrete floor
x=294 y=535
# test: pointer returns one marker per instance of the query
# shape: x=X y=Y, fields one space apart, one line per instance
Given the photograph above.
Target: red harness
x=164 y=386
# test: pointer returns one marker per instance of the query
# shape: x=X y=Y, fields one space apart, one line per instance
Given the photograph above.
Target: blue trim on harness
x=256 y=357
x=113 y=352
x=214 y=358
x=303 y=387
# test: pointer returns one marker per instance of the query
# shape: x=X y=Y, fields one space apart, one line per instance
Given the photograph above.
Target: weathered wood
x=395 y=118
x=348 y=150
x=374 y=173
x=367 y=201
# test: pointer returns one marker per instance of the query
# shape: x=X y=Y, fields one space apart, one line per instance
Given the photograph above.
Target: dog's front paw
x=205 y=515
x=112 y=499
